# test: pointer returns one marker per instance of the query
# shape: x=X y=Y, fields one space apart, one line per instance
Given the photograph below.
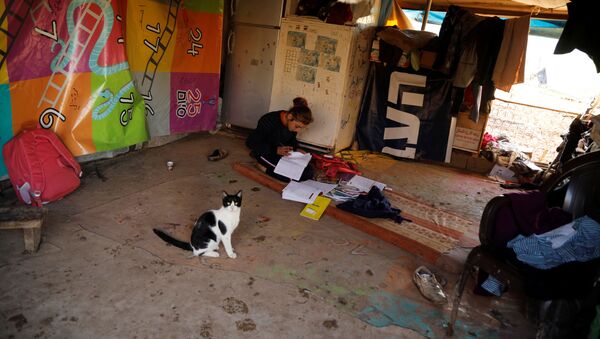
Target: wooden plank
x=386 y=235
x=19 y=213
x=249 y=171
x=26 y=224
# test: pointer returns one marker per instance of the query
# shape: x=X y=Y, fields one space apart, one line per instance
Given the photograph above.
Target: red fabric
x=333 y=165
x=38 y=158
x=487 y=138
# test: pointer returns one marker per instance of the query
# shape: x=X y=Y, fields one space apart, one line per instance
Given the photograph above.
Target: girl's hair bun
x=300 y=102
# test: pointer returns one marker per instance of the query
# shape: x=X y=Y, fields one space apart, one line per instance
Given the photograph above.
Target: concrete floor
x=101 y=272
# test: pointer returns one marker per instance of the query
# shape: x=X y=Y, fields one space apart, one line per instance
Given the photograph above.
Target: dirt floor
x=101 y=272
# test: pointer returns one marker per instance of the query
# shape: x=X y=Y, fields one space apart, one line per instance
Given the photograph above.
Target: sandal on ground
x=217 y=154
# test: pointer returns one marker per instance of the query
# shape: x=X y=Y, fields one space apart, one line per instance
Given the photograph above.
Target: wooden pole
x=426 y=15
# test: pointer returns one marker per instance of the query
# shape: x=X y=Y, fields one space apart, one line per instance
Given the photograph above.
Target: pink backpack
x=40 y=167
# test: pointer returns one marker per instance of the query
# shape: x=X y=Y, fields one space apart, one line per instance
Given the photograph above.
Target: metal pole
x=426 y=15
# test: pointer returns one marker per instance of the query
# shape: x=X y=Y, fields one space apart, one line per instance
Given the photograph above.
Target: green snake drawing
x=104 y=109
x=101 y=111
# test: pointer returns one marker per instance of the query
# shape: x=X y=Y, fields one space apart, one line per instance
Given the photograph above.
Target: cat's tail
x=175 y=242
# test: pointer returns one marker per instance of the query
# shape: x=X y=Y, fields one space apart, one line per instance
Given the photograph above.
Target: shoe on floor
x=428 y=285
x=217 y=154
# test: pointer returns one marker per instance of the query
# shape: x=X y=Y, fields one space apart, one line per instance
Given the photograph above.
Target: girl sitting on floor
x=275 y=136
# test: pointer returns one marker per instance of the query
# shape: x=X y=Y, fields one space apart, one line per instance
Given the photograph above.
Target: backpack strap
x=66 y=156
x=37 y=180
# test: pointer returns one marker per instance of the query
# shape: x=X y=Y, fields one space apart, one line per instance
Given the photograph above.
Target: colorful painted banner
x=107 y=74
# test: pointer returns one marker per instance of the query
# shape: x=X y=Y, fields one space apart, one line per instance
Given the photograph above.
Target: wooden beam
x=426 y=14
x=360 y=223
x=510 y=9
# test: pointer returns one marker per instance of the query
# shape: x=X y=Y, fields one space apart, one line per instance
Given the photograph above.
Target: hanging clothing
x=510 y=65
x=397 y=17
x=468 y=49
x=467 y=66
x=457 y=24
x=489 y=38
x=581 y=30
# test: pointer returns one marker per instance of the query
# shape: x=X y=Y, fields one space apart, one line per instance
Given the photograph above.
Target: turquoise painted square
x=206 y=6
x=6 y=131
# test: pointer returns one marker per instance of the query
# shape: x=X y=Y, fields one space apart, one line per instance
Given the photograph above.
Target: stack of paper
x=321 y=186
x=365 y=184
x=343 y=192
x=305 y=191
x=297 y=191
x=293 y=165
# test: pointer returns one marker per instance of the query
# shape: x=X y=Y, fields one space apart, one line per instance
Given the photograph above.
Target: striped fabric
x=493 y=285
x=577 y=241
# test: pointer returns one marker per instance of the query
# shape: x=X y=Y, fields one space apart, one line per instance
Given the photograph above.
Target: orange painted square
x=140 y=15
x=208 y=59
x=75 y=104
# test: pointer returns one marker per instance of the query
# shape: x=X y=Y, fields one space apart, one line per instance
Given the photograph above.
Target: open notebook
x=293 y=165
x=305 y=191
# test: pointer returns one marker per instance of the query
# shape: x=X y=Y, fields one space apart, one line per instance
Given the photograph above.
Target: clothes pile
x=504 y=153
x=558 y=250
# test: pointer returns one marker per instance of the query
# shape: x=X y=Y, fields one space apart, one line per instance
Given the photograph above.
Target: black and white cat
x=211 y=228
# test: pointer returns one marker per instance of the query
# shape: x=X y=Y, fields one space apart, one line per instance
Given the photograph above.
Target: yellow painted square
x=146 y=24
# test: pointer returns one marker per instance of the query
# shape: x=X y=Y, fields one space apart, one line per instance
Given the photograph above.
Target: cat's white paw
x=212 y=254
x=233 y=255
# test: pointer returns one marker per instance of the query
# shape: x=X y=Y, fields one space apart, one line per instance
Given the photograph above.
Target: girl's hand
x=284 y=150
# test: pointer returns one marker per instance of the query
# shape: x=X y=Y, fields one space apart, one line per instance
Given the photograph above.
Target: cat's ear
x=239 y=194
x=225 y=194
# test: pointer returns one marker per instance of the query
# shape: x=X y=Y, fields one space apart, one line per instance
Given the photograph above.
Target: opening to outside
x=557 y=89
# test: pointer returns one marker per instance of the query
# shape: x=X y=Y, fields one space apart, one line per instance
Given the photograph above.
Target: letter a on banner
x=410 y=123
x=410 y=132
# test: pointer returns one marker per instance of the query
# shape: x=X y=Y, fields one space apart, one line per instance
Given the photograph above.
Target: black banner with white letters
x=406 y=115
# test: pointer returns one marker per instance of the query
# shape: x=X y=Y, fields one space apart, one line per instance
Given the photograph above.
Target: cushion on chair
x=526 y=214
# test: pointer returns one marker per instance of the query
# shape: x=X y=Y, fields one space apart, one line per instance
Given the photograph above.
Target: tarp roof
x=552 y=9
